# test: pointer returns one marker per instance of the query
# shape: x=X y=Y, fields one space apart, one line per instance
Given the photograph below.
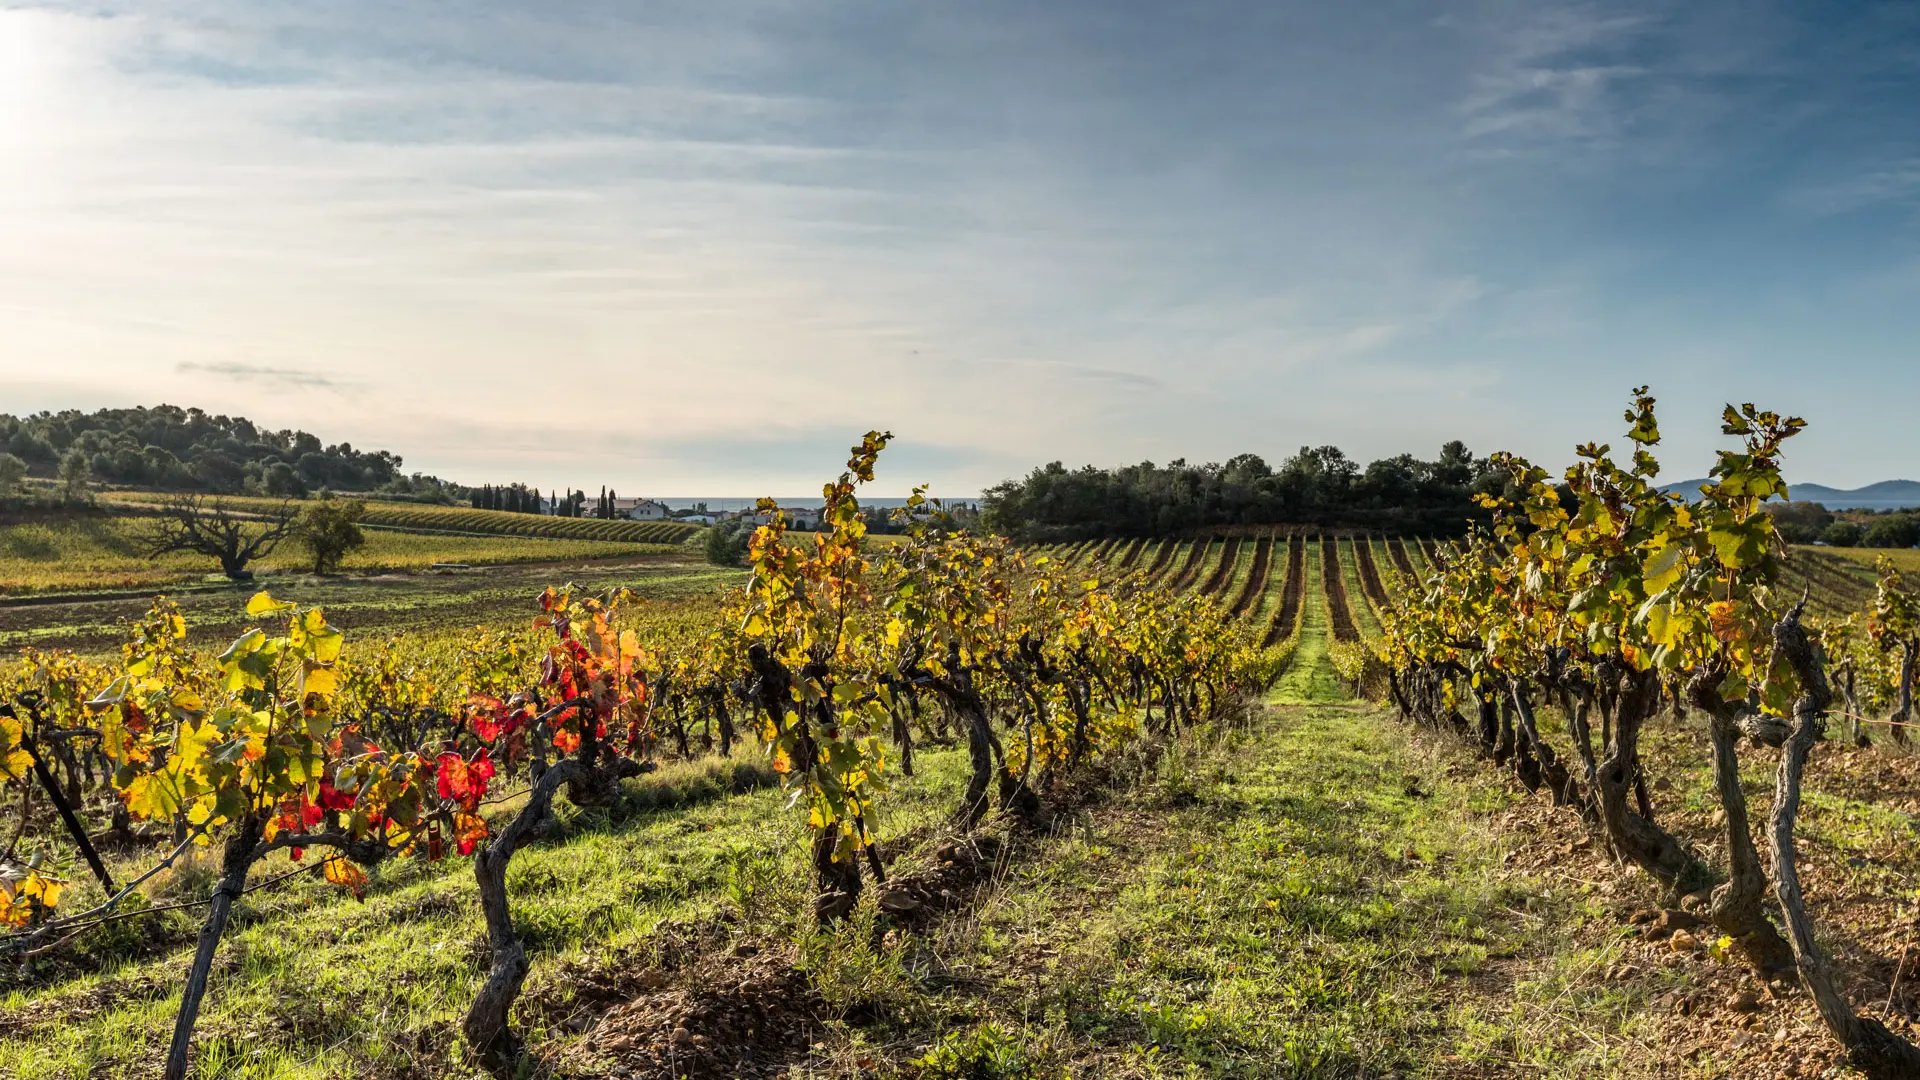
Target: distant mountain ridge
x=1885 y=495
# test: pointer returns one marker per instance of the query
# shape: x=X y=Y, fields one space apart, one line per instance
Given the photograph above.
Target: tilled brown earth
x=1717 y=1017
x=706 y=1012
x=753 y=1013
x=741 y=1017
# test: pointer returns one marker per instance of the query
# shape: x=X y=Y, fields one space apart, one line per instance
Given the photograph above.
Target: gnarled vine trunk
x=1870 y=1047
x=237 y=857
x=1633 y=836
x=1903 y=710
x=1737 y=903
x=486 y=1022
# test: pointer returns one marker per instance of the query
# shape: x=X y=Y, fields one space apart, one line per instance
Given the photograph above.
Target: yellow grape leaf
x=1660 y=624
x=244 y=644
x=324 y=640
x=152 y=797
x=262 y=604
x=320 y=680
x=1663 y=570
x=14 y=761
x=190 y=745
x=46 y=888
x=112 y=695
x=343 y=873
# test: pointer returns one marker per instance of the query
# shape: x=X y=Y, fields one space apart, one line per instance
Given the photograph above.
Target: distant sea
x=718 y=504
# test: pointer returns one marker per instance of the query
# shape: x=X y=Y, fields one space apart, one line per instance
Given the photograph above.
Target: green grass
x=1172 y=567
x=1364 y=617
x=1210 y=555
x=1310 y=677
x=1294 y=913
x=1906 y=560
x=1236 y=576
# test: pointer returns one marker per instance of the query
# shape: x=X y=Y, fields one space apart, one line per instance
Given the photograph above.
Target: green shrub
x=1843 y=534
x=1893 y=531
x=726 y=543
x=987 y=1052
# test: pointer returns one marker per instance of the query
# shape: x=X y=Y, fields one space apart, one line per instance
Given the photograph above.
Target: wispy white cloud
x=1895 y=182
x=1554 y=80
x=273 y=376
x=586 y=239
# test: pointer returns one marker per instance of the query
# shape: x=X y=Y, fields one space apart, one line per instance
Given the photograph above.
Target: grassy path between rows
x=1309 y=676
x=1313 y=896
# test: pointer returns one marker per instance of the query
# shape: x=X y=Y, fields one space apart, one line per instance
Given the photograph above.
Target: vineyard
x=1275 y=803
x=466 y=521
x=107 y=553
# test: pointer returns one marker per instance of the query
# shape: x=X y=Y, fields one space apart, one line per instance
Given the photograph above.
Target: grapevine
x=1614 y=600
x=829 y=660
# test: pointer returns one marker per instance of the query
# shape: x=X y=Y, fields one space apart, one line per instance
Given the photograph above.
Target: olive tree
x=204 y=527
x=12 y=472
x=329 y=529
x=75 y=471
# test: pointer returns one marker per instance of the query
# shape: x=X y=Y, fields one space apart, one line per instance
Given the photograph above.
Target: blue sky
x=697 y=247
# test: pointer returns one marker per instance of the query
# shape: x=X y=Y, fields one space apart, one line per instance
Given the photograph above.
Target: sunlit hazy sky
x=697 y=247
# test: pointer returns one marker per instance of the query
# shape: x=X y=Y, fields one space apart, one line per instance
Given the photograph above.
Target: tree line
x=175 y=449
x=1319 y=486
x=514 y=498
x=521 y=499
x=1810 y=522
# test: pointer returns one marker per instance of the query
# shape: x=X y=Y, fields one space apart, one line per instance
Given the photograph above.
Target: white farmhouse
x=641 y=509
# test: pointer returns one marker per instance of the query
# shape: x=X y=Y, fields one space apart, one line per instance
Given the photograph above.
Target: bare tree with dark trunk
x=192 y=523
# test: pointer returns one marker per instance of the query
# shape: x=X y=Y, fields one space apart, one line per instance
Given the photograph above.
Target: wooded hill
x=175 y=449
